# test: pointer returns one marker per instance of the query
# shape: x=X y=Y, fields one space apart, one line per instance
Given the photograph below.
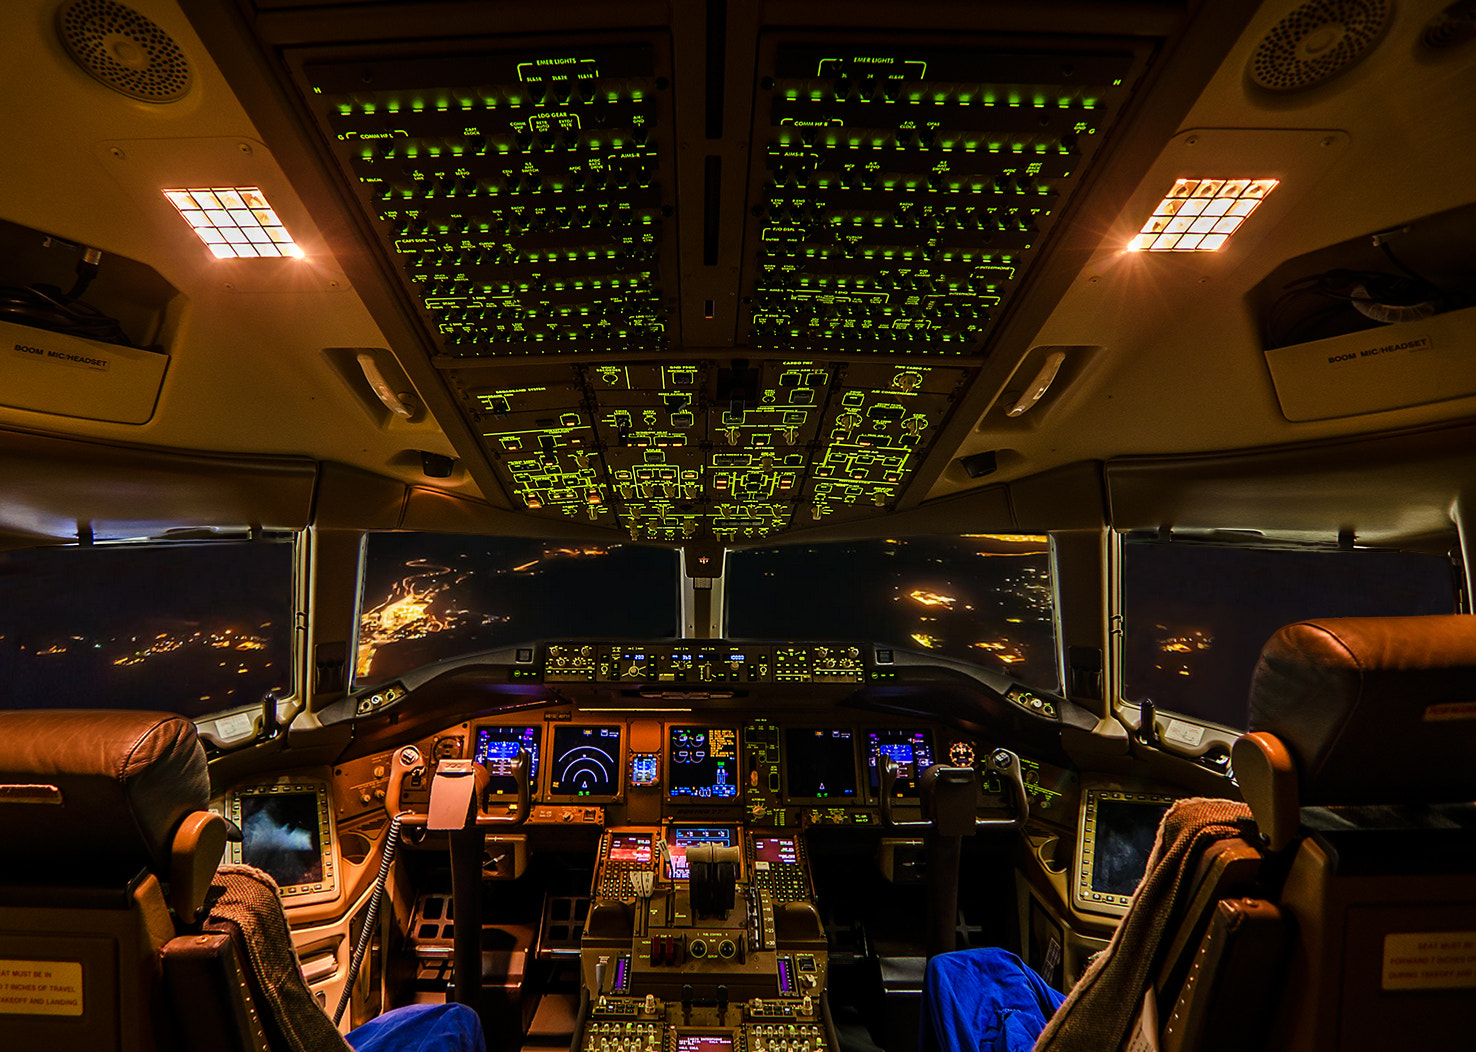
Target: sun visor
x=57 y=488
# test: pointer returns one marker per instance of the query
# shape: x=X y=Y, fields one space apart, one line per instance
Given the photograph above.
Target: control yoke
x=458 y=791
x=950 y=796
x=458 y=806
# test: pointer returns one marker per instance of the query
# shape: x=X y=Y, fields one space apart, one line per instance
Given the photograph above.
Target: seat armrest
x=1226 y=1001
x=213 y=1007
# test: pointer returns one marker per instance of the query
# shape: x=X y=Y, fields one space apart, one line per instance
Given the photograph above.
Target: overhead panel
x=524 y=189
x=525 y=193
x=899 y=193
x=734 y=451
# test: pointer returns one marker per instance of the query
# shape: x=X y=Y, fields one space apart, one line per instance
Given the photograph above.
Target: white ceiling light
x=1199 y=215
x=235 y=222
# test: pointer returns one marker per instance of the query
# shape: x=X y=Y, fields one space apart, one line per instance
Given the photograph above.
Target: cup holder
x=354 y=847
x=1054 y=855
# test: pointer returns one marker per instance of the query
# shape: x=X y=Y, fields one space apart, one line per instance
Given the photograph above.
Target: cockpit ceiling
x=654 y=316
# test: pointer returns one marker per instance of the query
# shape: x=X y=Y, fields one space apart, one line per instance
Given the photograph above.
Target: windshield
x=985 y=600
x=187 y=628
x=1196 y=615
x=428 y=597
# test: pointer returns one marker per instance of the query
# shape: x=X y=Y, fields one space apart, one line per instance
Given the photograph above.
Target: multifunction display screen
x=910 y=750
x=630 y=847
x=586 y=761
x=704 y=1043
x=645 y=768
x=1125 y=834
x=679 y=838
x=820 y=764
x=775 y=849
x=497 y=748
x=280 y=835
x=702 y=763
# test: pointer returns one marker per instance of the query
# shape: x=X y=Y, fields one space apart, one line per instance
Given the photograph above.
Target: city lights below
x=926 y=598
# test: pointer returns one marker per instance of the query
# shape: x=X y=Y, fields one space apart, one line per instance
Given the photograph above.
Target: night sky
x=951 y=595
x=476 y=593
x=188 y=628
x=1197 y=615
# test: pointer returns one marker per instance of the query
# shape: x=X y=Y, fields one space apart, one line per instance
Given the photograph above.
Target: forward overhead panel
x=735 y=450
x=848 y=247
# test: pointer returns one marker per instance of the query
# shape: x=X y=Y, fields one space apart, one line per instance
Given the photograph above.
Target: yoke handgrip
x=1001 y=762
x=1007 y=765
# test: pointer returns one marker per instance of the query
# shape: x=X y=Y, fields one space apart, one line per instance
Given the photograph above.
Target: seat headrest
x=1373 y=709
x=87 y=792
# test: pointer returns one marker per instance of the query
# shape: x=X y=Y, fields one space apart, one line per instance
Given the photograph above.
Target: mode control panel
x=704 y=664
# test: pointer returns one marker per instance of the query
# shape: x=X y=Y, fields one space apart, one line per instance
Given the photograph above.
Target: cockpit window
x=193 y=628
x=985 y=600
x=1196 y=615
x=427 y=597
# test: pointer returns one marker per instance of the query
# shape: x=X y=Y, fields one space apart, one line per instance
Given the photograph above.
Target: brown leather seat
x=109 y=857
x=1360 y=769
x=96 y=808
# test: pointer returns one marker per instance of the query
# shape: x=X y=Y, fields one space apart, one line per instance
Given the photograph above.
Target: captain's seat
x=117 y=932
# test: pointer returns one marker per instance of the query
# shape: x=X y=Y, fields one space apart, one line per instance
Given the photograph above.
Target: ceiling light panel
x=1199 y=215
x=234 y=222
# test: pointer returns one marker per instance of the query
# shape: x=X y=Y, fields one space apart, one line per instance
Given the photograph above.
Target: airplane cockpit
x=659 y=522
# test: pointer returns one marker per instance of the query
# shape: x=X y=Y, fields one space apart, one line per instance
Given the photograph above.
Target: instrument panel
x=805 y=768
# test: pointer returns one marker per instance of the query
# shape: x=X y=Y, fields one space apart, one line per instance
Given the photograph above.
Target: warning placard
x=1430 y=960
x=41 y=987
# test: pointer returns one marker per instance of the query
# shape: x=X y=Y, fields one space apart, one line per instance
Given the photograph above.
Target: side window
x=193 y=628
x=1195 y=616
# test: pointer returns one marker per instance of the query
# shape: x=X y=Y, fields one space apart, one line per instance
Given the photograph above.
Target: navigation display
x=910 y=750
x=280 y=832
x=586 y=761
x=702 y=763
x=775 y=849
x=820 y=764
x=497 y=748
x=679 y=838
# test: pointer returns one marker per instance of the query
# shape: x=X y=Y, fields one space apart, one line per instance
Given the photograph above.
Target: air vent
x=124 y=50
x=1454 y=26
x=1316 y=42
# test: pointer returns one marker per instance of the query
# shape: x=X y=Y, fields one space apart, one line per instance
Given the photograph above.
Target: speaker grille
x=1316 y=42
x=1452 y=27
x=124 y=50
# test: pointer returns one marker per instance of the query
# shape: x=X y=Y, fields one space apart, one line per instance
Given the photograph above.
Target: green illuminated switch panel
x=682 y=451
x=874 y=433
x=523 y=193
x=899 y=193
x=540 y=438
